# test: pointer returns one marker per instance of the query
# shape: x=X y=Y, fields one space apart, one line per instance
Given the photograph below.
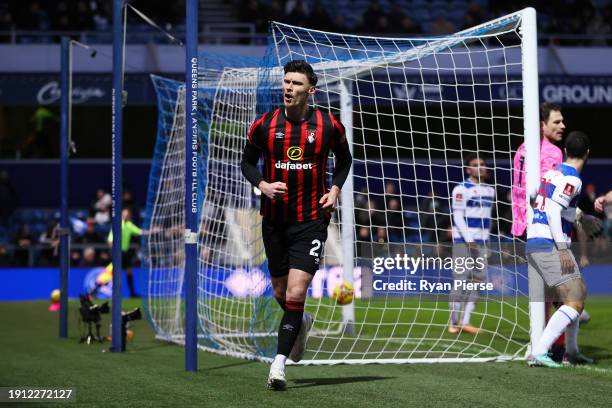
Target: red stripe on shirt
x=316 y=162
x=300 y=186
x=286 y=145
x=254 y=126
x=269 y=211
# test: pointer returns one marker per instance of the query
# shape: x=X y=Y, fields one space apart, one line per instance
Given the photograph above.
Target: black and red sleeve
x=252 y=152
x=342 y=153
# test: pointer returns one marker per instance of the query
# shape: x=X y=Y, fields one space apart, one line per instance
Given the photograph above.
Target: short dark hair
x=302 y=67
x=577 y=144
x=546 y=108
x=471 y=156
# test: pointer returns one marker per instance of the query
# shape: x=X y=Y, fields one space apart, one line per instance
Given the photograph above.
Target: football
x=343 y=293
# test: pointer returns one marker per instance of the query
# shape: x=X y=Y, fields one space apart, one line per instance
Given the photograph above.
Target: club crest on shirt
x=568 y=190
x=312 y=135
x=459 y=197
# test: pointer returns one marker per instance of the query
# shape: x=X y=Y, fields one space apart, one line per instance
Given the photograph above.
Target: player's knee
x=577 y=305
x=296 y=294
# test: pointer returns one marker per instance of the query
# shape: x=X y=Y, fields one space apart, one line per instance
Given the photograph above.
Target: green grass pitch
x=151 y=373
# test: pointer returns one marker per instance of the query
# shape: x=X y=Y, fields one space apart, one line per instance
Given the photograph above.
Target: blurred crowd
x=383 y=222
x=79 y=15
x=30 y=237
x=566 y=20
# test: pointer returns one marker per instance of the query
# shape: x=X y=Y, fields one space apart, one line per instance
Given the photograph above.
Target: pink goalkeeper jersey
x=550 y=156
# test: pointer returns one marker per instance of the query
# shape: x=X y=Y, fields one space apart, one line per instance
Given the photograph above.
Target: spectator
x=49 y=241
x=374 y=11
x=381 y=25
x=6 y=22
x=441 y=26
x=24 y=243
x=5 y=259
x=396 y=16
x=60 y=20
x=395 y=220
x=101 y=207
x=89 y=258
x=90 y=235
x=409 y=26
x=37 y=18
x=44 y=141
x=429 y=212
x=473 y=16
x=83 y=18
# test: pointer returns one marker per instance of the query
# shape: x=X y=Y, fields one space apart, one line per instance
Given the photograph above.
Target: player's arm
x=248 y=165
x=588 y=224
x=459 y=205
x=553 y=215
x=342 y=168
x=566 y=188
x=602 y=201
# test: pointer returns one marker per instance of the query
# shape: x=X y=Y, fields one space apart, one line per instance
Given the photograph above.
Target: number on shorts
x=315 y=248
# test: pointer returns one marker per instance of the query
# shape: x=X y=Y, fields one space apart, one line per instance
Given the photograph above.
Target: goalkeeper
x=294 y=141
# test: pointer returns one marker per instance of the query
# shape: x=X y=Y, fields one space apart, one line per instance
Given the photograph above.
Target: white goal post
x=413 y=109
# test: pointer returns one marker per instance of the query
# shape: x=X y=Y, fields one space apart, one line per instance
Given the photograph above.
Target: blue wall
x=37 y=283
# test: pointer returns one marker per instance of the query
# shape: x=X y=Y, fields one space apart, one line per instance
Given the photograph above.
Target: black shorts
x=296 y=245
x=127 y=259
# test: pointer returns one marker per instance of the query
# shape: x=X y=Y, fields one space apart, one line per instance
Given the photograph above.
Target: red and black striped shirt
x=296 y=154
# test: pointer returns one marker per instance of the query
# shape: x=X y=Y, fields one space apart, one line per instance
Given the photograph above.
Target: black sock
x=289 y=327
x=130 y=282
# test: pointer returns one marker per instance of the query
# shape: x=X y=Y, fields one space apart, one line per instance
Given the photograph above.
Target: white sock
x=454 y=317
x=571 y=337
x=467 y=311
x=563 y=317
x=279 y=361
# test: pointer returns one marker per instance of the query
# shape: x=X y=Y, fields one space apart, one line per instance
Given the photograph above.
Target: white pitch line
x=591 y=368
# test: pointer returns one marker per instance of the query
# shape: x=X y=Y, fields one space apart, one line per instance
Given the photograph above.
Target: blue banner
x=94 y=89
x=91 y=89
x=20 y=284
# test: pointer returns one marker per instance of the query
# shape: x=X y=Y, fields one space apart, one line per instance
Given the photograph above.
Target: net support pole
x=531 y=117
x=191 y=185
x=348 y=225
x=117 y=176
x=64 y=230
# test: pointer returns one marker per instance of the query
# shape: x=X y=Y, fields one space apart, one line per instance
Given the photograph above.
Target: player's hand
x=600 y=202
x=590 y=225
x=274 y=191
x=567 y=266
x=328 y=200
x=584 y=261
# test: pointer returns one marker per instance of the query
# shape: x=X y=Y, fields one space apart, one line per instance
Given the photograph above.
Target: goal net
x=413 y=109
